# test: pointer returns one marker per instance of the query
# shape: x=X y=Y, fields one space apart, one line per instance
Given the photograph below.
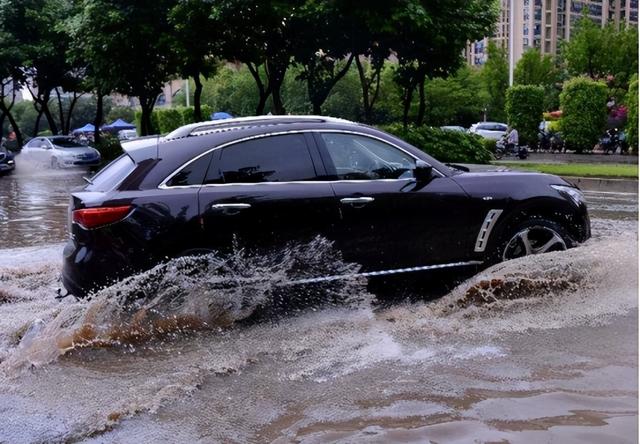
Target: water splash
x=193 y=293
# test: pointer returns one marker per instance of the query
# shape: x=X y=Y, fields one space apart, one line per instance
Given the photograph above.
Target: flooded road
x=540 y=349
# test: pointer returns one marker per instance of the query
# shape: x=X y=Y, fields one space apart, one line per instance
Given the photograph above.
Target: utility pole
x=186 y=91
x=511 y=40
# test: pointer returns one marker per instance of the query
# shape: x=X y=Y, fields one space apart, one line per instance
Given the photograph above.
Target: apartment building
x=543 y=24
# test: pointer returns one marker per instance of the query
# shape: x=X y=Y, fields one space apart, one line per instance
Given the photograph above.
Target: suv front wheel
x=534 y=236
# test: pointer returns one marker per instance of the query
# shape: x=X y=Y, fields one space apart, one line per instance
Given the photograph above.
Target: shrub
x=446 y=146
x=187 y=114
x=489 y=145
x=525 y=104
x=169 y=119
x=206 y=110
x=632 y=116
x=155 y=124
x=584 y=112
x=109 y=147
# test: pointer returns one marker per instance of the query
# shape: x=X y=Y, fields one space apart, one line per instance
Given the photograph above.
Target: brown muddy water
x=541 y=349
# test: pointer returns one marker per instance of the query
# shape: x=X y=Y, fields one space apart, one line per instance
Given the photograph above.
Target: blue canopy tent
x=88 y=128
x=117 y=125
x=221 y=115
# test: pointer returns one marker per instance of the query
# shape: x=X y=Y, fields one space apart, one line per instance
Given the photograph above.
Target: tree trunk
x=7 y=112
x=197 y=94
x=368 y=97
x=275 y=73
x=407 y=97
x=147 y=104
x=263 y=92
x=97 y=121
x=44 y=104
x=60 y=110
x=422 y=104
x=36 y=126
x=318 y=93
x=67 y=123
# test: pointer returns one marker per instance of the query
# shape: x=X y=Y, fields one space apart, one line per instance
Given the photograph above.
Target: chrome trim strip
x=163 y=185
x=231 y=206
x=356 y=200
x=383 y=272
x=485 y=230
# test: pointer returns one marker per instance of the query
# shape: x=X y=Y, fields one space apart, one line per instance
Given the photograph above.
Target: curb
x=604 y=184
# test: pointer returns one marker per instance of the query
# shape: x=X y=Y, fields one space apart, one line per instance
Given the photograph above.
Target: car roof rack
x=201 y=128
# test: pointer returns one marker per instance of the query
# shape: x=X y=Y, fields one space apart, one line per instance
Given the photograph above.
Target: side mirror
x=423 y=172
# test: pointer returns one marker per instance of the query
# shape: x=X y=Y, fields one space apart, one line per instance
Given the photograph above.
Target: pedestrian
x=512 y=139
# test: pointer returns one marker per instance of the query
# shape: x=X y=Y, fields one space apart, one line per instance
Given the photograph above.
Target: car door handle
x=230 y=208
x=356 y=201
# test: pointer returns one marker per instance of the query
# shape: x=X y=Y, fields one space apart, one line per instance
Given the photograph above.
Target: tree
x=260 y=34
x=496 y=79
x=524 y=106
x=584 y=112
x=429 y=40
x=601 y=52
x=128 y=46
x=195 y=42
x=535 y=68
x=11 y=62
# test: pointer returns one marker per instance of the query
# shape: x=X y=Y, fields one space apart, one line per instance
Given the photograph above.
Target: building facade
x=544 y=24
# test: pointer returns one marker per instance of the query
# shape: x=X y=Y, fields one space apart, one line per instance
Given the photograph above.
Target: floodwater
x=540 y=349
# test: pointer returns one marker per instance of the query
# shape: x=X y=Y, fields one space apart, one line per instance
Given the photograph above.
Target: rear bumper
x=85 y=269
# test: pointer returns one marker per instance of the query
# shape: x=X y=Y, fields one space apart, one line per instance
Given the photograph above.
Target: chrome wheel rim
x=533 y=240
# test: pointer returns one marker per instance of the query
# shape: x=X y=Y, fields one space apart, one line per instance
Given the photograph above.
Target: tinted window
x=66 y=142
x=112 y=174
x=268 y=159
x=192 y=174
x=362 y=158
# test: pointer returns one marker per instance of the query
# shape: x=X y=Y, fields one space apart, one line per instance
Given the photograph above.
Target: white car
x=489 y=130
x=60 y=152
x=127 y=134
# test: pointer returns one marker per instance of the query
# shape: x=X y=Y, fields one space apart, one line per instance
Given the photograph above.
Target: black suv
x=266 y=181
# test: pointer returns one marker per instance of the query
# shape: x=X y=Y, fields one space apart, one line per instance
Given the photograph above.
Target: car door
x=388 y=219
x=265 y=192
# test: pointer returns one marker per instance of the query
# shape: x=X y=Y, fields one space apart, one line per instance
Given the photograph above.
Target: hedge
x=446 y=146
x=584 y=112
x=109 y=147
x=169 y=119
x=632 y=117
x=524 y=106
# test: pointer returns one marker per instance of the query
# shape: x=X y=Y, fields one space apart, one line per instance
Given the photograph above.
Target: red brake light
x=97 y=217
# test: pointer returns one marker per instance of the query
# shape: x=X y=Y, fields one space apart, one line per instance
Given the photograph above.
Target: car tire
x=535 y=235
x=499 y=154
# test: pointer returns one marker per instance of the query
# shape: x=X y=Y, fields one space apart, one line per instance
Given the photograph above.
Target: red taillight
x=97 y=217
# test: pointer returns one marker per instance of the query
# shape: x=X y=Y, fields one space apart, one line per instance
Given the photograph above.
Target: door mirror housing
x=423 y=172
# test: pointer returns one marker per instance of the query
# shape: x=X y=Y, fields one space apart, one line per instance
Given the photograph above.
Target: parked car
x=60 y=152
x=263 y=182
x=127 y=134
x=7 y=161
x=453 y=128
x=489 y=130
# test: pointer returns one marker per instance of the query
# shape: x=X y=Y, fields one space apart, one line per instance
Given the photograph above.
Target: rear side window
x=111 y=175
x=192 y=174
x=268 y=159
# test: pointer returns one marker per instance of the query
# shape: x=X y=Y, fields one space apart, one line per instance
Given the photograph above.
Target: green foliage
x=155 y=123
x=169 y=119
x=126 y=113
x=489 y=145
x=524 y=107
x=109 y=148
x=584 y=112
x=632 y=117
x=496 y=78
x=188 y=115
x=603 y=52
x=207 y=110
x=446 y=146
x=457 y=100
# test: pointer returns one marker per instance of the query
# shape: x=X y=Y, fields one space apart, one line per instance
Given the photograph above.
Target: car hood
x=76 y=150
x=501 y=183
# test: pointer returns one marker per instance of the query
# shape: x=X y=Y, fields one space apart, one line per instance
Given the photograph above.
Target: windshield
x=66 y=142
